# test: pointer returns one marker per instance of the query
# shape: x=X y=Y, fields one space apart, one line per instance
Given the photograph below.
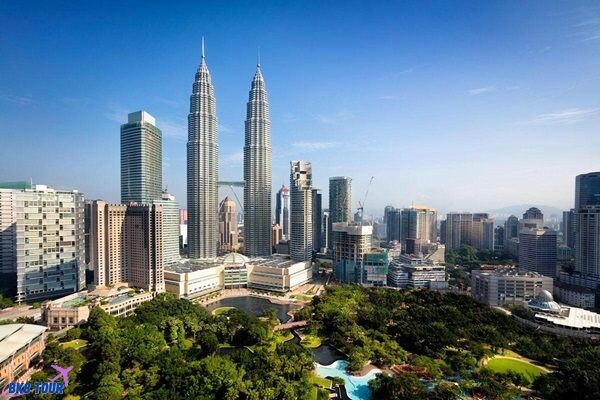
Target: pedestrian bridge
x=290 y=325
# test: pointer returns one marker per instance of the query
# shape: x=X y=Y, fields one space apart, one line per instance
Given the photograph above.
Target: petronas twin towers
x=203 y=169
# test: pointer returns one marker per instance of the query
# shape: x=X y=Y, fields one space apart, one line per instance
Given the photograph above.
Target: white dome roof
x=545 y=296
x=235 y=258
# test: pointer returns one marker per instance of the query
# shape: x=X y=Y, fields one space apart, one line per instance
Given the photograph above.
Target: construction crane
x=361 y=205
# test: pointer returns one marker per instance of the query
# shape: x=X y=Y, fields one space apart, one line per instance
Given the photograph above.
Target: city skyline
x=366 y=112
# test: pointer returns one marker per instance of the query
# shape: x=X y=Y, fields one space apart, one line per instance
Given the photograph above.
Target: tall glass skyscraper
x=587 y=190
x=257 y=171
x=202 y=167
x=340 y=202
x=141 y=159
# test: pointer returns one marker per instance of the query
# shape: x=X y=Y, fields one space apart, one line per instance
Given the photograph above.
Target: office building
x=42 y=242
x=74 y=309
x=325 y=232
x=282 y=211
x=257 y=171
x=8 y=242
x=511 y=228
x=499 y=238
x=568 y=227
x=537 y=251
x=351 y=241
x=417 y=222
x=393 y=225
x=340 y=202
x=410 y=271
x=503 y=285
x=459 y=227
x=301 y=241
x=482 y=235
x=141 y=159
x=587 y=190
x=587 y=241
x=317 y=204
x=170 y=228
x=576 y=296
x=21 y=347
x=202 y=167
x=127 y=245
x=183 y=216
x=276 y=235
x=276 y=273
x=375 y=267
x=228 y=228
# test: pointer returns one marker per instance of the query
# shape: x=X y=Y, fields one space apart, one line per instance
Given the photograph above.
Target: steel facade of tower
x=257 y=171
x=340 y=202
x=202 y=167
x=141 y=159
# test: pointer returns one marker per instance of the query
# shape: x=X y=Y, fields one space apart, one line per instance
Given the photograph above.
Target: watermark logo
x=17 y=389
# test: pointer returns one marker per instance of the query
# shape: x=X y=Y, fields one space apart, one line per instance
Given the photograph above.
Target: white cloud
x=334 y=118
x=481 y=90
x=225 y=129
x=233 y=158
x=388 y=97
x=116 y=113
x=568 y=116
x=20 y=100
x=314 y=146
x=173 y=129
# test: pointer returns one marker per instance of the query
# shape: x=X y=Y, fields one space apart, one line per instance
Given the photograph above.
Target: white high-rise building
x=170 y=228
x=301 y=242
x=202 y=167
x=537 y=251
x=587 y=238
x=45 y=242
x=282 y=211
x=257 y=171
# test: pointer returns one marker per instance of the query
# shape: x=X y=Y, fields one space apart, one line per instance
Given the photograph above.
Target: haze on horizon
x=457 y=105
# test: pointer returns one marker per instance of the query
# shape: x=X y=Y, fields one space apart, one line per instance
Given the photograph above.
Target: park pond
x=328 y=360
x=254 y=306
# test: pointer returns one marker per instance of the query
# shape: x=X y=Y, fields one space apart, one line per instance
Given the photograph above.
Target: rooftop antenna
x=203 y=57
x=258 y=58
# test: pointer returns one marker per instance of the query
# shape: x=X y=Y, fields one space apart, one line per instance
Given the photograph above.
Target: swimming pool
x=357 y=387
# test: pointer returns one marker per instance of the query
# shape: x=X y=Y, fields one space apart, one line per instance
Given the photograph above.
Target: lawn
x=74 y=344
x=504 y=364
x=311 y=341
x=221 y=310
x=321 y=382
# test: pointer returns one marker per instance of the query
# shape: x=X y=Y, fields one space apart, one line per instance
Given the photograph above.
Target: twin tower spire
x=203 y=168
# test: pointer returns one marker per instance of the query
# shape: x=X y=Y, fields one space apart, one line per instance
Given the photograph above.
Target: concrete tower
x=301 y=242
x=228 y=228
x=202 y=166
x=257 y=171
x=282 y=211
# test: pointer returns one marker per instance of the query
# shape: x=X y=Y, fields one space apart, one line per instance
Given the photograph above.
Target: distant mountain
x=518 y=210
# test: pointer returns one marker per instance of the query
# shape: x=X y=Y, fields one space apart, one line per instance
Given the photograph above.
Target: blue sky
x=460 y=105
